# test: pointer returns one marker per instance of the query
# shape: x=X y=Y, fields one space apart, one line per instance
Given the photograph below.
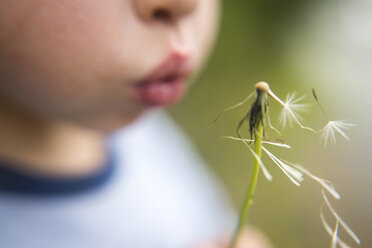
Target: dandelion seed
x=328 y=132
x=320 y=105
x=264 y=170
x=232 y=107
x=335 y=236
x=324 y=183
x=277 y=144
x=292 y=104
x=290 y=114
x=264 y=142
x=329 y=230
x=339 y=219
x=272 y=127
x=295 y=176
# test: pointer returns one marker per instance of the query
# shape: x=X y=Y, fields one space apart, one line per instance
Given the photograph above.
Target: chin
x=110 y=123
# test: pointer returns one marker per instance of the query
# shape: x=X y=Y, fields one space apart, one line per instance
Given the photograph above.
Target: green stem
x=243 y=215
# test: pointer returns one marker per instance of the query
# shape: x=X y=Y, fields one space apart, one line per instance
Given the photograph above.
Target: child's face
x=100 y=63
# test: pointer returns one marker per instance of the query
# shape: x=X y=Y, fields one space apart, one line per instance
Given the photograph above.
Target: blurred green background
x=294 y=45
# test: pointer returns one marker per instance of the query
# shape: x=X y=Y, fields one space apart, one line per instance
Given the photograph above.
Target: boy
x=73 y=71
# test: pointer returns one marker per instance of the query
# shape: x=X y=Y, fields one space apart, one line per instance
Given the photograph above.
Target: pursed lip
x=175 y=65
x=166 y=83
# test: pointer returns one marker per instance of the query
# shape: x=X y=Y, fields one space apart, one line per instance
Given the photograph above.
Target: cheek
x=203 y=29
x=59 y=53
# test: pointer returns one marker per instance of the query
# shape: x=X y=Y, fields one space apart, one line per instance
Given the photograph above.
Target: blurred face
x=100 y=63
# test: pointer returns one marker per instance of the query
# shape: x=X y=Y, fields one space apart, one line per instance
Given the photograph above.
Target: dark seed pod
x=258 y=110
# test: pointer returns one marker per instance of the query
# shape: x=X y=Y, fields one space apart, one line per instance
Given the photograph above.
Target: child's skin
x=73 y=70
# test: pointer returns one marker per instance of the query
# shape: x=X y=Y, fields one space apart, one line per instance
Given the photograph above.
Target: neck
x=46 y=146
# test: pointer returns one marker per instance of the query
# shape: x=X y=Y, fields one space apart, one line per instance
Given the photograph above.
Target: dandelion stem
x=243 y=215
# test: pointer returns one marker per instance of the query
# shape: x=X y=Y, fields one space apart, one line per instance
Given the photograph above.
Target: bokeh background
x=294 y=45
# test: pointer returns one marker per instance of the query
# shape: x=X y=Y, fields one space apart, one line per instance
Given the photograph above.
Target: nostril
x=165 y=11
x=161 y=15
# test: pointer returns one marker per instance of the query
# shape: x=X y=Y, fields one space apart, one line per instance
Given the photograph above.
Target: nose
x=164 y=10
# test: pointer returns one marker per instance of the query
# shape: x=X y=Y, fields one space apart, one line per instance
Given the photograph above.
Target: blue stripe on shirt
x=17 y=181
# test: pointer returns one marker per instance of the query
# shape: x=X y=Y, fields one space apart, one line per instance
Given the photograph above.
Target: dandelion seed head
x=291 y=109
x=262 y=86
x=329 y=131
